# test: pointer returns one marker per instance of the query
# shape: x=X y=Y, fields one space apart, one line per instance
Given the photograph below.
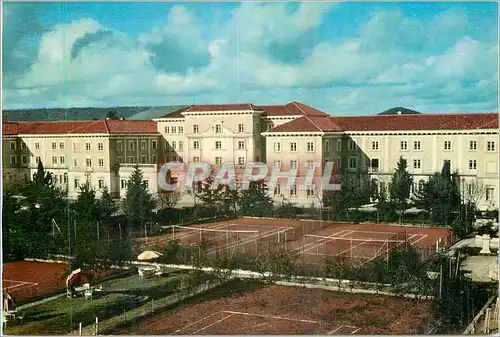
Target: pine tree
x=400 y=187
x=255 y=201
x=138 y=204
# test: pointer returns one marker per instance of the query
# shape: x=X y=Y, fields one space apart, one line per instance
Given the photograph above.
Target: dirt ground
x=26 y=279
x=284 y=310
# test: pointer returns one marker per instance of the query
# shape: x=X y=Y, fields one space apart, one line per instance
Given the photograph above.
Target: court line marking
x=273 y=317
x=215 y=323
x=332 y=238
x=196 y=322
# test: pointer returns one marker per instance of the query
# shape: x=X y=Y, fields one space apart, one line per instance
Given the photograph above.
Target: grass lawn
x=62 y=315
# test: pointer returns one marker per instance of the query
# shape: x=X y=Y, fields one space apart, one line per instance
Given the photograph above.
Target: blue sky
x=343 y=58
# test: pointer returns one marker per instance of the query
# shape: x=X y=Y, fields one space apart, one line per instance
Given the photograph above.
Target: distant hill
x=78 y=114
x=400 y=111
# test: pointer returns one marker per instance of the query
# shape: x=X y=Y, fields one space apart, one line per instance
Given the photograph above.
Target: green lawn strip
x=117 y=296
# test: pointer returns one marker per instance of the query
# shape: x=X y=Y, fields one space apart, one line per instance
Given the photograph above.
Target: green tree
x=400 y=187
x=355 y=190
x=138 y=204
x=440 y=197
x=255 y=200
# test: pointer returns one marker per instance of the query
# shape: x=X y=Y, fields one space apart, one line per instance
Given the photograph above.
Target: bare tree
x=474 y=192
x=169 y=200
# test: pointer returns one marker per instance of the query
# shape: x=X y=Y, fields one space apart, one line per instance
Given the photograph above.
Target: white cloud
x=394 y=60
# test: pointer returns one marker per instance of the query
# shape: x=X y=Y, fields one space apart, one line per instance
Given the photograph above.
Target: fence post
x=80 y=329
x=96 y=326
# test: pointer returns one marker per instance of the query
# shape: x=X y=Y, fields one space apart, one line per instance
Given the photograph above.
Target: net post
x=350 y=247
x=173 y=232
x=303 y=244
x=317 y=247
x=200 y=235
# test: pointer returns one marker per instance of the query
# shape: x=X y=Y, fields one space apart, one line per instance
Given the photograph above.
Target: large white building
x=291 y=136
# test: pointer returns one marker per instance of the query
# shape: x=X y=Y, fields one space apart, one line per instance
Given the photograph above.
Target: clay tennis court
x=285 y=310
x=310 y=241
x=25 y=279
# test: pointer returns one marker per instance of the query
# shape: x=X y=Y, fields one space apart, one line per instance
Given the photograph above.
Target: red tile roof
x=308 y=124
x=74 y=127
x=392 y=123
x=418 y=122
x=290 y=109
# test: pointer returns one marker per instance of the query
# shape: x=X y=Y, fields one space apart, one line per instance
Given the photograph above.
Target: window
x=120 y=160
x=309 y=164
x=12 y=146
x=310 y=147
x=417 y=164
x=119 y=146
x=241 y=160
x=374 y=165
x=339 y=163
x=131 y=145
x=123 y=183
x=145 y=183
x=490 y=146
x=351 y=145
x=88 y=162
x=75 y=162
x=37 y=146
x=167 y=129
x=196 y=159
x=293 y=147
x=77 y=183
x=65 y=178
x=180 y=159
x=241 y=144
x=218 y=160
x=143 y=145
x=131 y=160
x=241 y=128
x=375 y=146
x=174 y=158
x=153 y=144
x=174 y=145
x=87 y=146
x=447 y=145
x=218 y=145
x=310 y=191
x=417 y=145
x=293 y=165
x=54 y=160
x=23 y=146
x=101 y=183
x=37 y=159
x=472 y=164
x=144 y=160
x=154 y=160
x=421 y=185
x=54 y=146
x=277 y=147
x=100 y=146
x=25 y=159
x=339 y=145
x=61 y=146
x=13 y=160
x=277 y=189
x=181 y=145
x=195 y=128
x=218 y=128
x=353 y=162
x=327 y=146
x=196 y=144
x=62 y=160
x=101 y=162
x=174 y=129
x=293 y=190
x=181 y=129
x=277 y=163
x=404 y=145
x=490 y=193
x=472 y=145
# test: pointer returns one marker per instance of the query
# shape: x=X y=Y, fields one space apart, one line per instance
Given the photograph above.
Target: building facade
x=286 y=137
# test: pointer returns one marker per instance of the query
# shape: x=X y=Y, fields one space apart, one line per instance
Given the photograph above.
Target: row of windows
x=293 y=146
x=447 y=145
x=88 y=145
x=293 y=190
x=131 y=145
x=124 y=183
x=196 y=129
